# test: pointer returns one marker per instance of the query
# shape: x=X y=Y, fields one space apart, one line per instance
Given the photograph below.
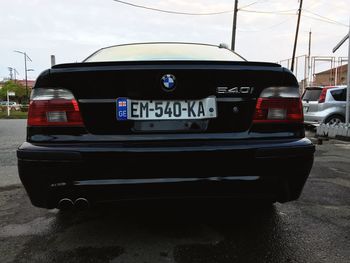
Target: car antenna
x=223 y=45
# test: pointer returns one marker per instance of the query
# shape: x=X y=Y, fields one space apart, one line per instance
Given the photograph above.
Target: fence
x=17 y=107
x=308 y=68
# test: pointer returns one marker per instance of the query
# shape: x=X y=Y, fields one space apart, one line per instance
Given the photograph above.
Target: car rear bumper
x=313 y=118
x=101 y=172
x=311 y=123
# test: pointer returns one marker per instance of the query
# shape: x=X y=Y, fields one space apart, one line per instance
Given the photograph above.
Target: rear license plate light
x=56 y=116
x=276 y=114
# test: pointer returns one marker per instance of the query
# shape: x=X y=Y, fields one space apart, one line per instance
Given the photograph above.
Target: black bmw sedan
x=164 y=121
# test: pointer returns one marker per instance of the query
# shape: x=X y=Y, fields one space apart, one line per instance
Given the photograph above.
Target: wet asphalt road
x=314 y=229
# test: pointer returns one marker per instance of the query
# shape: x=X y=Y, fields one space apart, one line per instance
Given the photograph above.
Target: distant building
x=2 y=83
x=20 y=81
x=23 y=83
x=330 y=77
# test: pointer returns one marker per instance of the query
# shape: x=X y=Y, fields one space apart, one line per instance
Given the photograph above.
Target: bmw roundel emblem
x=168 y=82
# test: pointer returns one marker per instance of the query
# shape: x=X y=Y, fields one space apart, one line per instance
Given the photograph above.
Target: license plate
x=166 y=110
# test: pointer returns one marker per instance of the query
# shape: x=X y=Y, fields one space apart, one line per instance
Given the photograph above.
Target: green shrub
x=24 y=108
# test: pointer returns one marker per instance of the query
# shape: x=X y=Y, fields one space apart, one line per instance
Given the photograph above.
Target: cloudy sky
x=72 y=29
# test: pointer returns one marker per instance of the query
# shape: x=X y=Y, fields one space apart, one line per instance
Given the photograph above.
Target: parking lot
x=316 y=228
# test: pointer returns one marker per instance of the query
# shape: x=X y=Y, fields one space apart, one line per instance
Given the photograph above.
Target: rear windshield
x=312 y=94
x=163 y=51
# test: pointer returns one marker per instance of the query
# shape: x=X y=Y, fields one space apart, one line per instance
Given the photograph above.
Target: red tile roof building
x=330 y=77
x=29 y=82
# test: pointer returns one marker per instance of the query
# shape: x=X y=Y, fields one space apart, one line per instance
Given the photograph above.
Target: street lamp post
x=25 y=68
x=347 y=113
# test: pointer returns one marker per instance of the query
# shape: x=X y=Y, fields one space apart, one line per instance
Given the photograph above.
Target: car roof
x=327 y=87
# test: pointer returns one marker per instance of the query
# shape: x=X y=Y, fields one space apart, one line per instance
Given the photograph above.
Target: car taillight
x=323 y=94
x=279 y=105
x=53 y=107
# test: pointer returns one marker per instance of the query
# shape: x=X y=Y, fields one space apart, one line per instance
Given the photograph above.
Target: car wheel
x=335 y=119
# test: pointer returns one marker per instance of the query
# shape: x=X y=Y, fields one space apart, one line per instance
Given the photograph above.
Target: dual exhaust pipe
x=68 y=204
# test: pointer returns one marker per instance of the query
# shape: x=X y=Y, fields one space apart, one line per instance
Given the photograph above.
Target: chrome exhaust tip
x=65 y=204
x=81 y=203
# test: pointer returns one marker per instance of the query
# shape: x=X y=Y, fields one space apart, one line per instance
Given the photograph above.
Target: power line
x=285 y=12
x=173 y=12
x=326 y=21
x=267 y=28
x=326 y=18
x=280 y=12
x=253 y=3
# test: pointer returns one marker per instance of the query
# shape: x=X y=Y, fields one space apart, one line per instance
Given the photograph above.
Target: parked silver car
x=13 y=105
x=324 y=105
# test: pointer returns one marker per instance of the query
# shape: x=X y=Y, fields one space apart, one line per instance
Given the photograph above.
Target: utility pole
x=296 y=35
x=8 y=103
x=348 y=88
x=309 y=77
x=15 y=73
x=347 y=113
x=26 y=74
x=11 y=75
x=233 y=43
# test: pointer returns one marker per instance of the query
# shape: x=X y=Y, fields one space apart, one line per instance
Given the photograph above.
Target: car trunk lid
x=96 y=86
x=311 y=98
